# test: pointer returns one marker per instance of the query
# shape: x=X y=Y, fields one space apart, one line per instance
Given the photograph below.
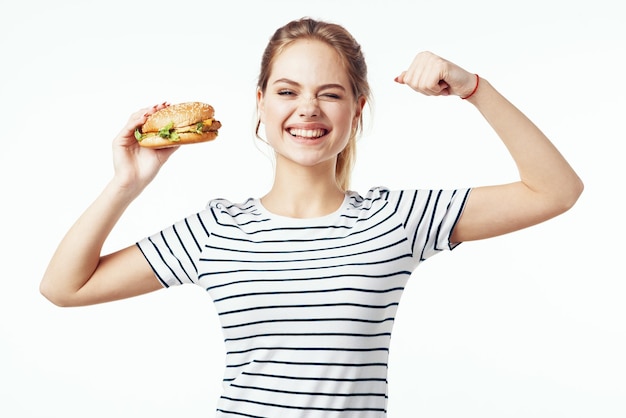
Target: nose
x=308 y=106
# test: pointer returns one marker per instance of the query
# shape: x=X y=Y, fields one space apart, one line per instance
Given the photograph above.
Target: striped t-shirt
x=306 y=305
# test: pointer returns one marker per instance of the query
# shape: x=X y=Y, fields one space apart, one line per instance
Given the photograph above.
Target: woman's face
x=308 y=107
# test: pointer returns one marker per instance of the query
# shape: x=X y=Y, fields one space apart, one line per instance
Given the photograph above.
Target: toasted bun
x=155 y=141
x=181 y=114
x=183 y=119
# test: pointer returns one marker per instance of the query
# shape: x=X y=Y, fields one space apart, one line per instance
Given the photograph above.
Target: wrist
x=474 y=89
x=122 y=191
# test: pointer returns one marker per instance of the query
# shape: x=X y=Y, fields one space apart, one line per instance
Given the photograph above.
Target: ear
x=359 y=108
x=260 y=105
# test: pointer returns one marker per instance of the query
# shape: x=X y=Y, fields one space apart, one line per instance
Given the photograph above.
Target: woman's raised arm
x=547 y=186
x=77 y=273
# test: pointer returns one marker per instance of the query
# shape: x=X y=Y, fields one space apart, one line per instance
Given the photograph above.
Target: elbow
x=569 y=195
x=52 y=294
x=575 y=191
x=47 y=293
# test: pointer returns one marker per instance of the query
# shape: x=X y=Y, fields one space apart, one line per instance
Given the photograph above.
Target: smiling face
x=308 y=108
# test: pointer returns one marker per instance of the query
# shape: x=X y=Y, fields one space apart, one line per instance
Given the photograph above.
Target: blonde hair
x=352 y=57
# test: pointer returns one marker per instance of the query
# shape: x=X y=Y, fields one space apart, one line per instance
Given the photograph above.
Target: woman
x=307 y=279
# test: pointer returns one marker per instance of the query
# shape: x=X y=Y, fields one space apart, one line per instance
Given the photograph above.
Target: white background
x=526 y=325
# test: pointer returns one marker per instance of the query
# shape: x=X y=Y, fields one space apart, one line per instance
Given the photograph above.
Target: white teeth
x=307 y=133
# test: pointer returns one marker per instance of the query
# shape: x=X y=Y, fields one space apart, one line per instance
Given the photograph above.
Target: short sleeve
x=429 y=217
x=173 y=253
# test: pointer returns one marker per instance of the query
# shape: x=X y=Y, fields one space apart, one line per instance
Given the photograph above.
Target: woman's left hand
x=432 y=75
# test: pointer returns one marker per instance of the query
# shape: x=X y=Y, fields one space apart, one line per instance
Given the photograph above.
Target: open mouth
x=308 y=133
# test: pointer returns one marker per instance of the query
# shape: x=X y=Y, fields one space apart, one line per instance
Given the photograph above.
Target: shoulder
x=379 y=195
x=379 y=199
x=224 y=211
x=401 y=200
x=372 y=195
x=227 y=206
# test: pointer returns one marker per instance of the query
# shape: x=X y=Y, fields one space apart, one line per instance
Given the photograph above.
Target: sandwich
x=179 y=124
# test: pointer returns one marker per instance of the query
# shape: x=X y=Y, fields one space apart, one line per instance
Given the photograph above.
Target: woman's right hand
x=77 y=273
x=135 y=166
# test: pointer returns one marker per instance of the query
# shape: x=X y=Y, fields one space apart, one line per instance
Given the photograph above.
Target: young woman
x=307 y=279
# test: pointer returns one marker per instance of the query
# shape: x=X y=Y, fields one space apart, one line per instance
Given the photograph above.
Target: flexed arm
x=548 y=186
x=77 y=273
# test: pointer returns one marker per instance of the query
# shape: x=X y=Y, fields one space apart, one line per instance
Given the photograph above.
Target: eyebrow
x=322 y=87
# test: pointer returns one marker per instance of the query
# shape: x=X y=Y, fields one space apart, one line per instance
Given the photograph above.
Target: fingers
x=138 y=118
x=432 y=75
x=426 y=75
x=165 y=153
x=151 y=110
x=423 y=83
x=400 y=78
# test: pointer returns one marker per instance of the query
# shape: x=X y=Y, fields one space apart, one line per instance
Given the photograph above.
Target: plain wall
x=529 y=324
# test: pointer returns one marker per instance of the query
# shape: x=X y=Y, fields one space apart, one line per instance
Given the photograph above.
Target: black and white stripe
x=306 y=305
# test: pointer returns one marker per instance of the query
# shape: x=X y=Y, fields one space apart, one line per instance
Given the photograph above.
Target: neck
x=304 y=192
